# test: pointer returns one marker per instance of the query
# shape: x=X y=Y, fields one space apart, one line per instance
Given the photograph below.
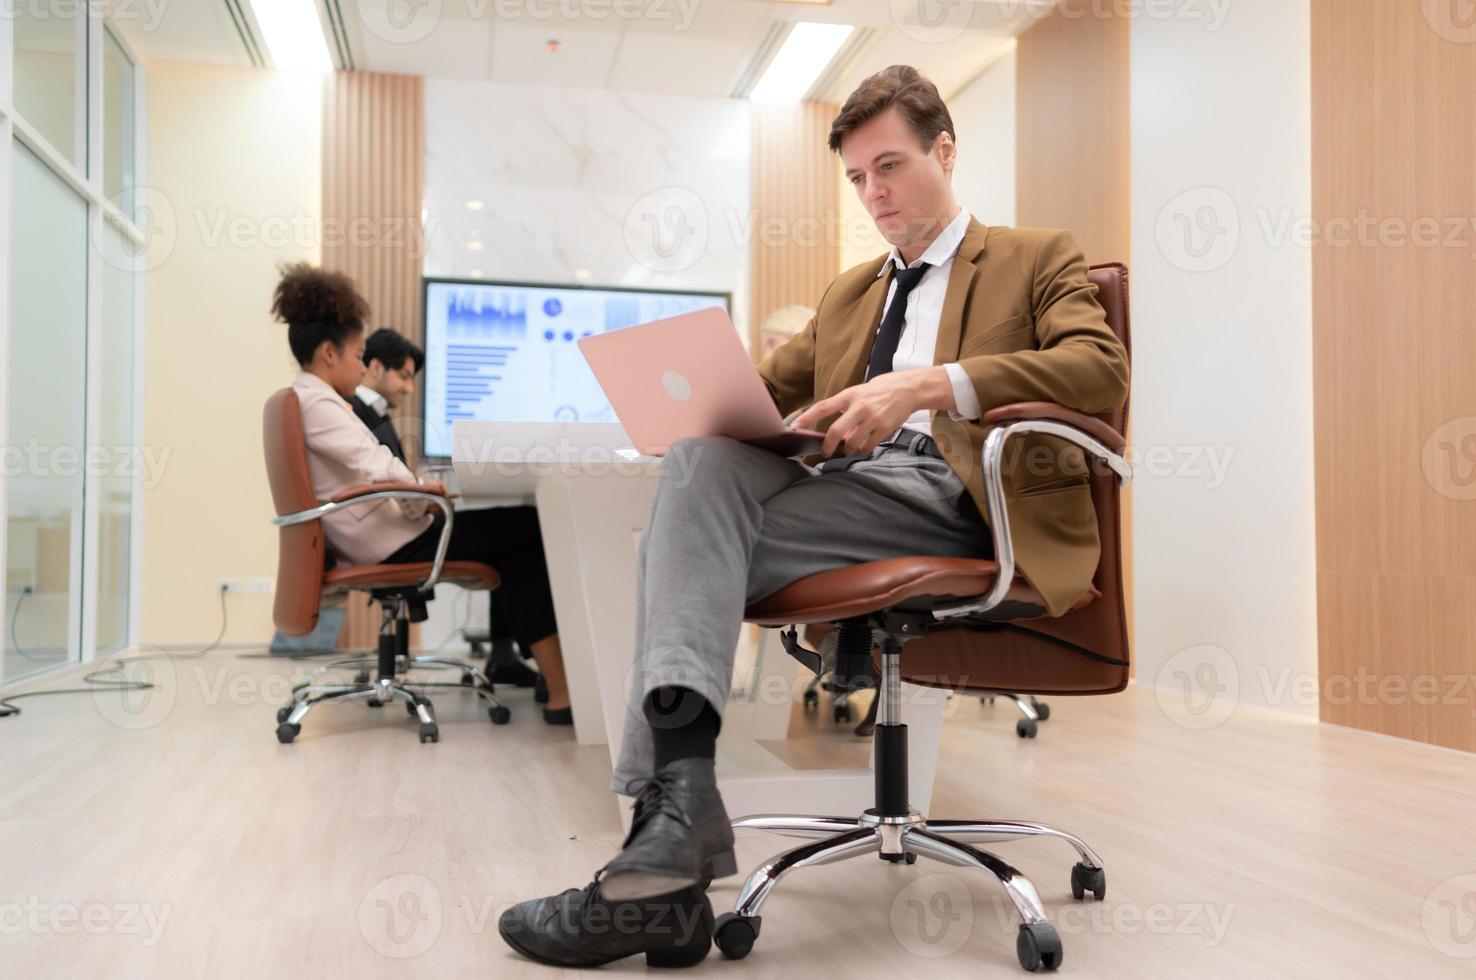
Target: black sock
x=683 y=724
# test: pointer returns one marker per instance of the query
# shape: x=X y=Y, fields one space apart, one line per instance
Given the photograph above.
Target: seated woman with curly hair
x=325 y=316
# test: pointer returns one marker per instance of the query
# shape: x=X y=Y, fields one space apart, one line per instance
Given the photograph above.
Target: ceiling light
x=476 y=273
x=293 y=35
x=474 y=246
x=475 y=205
x=804 y=55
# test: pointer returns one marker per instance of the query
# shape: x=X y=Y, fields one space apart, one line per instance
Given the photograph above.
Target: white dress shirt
x=915 y=348
x=373 y=399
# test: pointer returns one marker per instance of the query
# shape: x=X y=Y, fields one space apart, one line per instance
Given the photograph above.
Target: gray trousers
x=732 y=524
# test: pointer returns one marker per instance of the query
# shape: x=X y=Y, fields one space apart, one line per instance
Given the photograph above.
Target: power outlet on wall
x=260 y=584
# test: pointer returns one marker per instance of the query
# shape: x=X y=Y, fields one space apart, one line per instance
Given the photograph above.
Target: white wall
x=235 y=163
x=1222 y=324
x=576 y=182
x=984 y=116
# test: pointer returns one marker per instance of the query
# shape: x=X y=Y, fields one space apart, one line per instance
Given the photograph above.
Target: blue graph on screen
x=509 y=352
x=497 y=316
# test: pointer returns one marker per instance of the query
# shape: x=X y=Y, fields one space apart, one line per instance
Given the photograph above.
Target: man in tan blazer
x=903 y=357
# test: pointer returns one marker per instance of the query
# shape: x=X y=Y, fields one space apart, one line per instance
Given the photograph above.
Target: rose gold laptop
x=687 y=376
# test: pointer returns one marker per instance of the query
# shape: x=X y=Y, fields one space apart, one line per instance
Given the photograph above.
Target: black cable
x=101 y=679
x=14 y=617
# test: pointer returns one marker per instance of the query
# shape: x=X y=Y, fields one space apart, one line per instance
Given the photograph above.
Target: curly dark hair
x=904 y=87
x=317 y=305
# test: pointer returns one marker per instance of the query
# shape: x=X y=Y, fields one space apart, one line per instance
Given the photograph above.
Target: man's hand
x=872 y=411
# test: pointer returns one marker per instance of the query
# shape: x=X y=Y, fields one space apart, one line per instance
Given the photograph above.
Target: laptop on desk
x=689 y=376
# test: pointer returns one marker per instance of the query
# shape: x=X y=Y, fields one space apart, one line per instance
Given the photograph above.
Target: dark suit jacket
x=1023 y=320
x=380 y=425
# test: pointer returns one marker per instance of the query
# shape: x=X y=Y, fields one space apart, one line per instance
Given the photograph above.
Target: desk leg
x=591 y=531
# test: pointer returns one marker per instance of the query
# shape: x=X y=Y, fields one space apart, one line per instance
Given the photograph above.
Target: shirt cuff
x=963 y=394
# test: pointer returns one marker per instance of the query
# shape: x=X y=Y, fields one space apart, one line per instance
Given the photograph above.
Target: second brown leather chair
x=304 y=578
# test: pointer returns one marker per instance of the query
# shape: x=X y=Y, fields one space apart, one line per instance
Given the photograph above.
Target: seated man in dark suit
x=391 y=362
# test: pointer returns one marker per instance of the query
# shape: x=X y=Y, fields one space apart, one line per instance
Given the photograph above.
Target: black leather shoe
x=558 y=716
x=680 y=835
x=582 y=927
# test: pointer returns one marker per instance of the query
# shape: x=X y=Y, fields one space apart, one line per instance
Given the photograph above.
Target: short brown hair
x=904 y=87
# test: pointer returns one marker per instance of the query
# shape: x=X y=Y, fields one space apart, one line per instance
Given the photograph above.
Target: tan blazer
x=343 y=454
x=1022 y=319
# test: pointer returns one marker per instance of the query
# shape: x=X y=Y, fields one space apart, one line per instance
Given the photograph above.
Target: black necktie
x=885 y=346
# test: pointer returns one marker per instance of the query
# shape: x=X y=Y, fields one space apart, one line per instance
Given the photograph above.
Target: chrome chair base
x=392 y=684
x=902 y=839
x=897 y=832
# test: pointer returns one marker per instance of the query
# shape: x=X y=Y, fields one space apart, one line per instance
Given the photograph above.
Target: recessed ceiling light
x=474 y=246
x=806 y=52
x=476 y=273
x=581 y=273
x=293 y=35
x=475 y=205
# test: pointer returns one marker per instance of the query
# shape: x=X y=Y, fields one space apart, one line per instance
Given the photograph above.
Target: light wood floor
x=174 y=837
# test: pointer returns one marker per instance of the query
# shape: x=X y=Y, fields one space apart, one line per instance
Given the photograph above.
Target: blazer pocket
x=1054 y=486
x=1002 y=338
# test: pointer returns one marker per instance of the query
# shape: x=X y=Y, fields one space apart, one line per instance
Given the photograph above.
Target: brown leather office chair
x=965 y=625
x=306 y=574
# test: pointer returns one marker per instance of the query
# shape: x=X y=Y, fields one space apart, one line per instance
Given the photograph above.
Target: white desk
x=594 y=499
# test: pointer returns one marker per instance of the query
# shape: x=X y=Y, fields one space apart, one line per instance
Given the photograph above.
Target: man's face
x=904 y=187
x=394 y=385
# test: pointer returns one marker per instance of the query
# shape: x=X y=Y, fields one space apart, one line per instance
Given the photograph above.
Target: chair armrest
x=386 y=491
x=1094 y=427
x=353 y=493
x=1017 y=419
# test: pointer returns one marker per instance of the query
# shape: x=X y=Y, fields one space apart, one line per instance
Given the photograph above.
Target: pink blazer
x=342 y=454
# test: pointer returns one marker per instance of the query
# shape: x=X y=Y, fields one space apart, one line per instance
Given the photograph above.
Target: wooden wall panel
x=1073 y=152
x=1072 y=116
x=373 y=185
x=1394 y=354
x=796 y=208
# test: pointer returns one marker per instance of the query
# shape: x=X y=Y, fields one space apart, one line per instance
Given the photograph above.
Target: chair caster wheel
x=286 y=733
x=842 y=713
x=500 y=715
x=735 y=934
x=362 y=677
x=467 y=680
x=986 y=699
x=908 y=858
x=429 y=733
x=811 y=699
x=284 y=713
x=1038 y=946
x=1025 y=728
x=1042 y=709
x=1085 y=879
